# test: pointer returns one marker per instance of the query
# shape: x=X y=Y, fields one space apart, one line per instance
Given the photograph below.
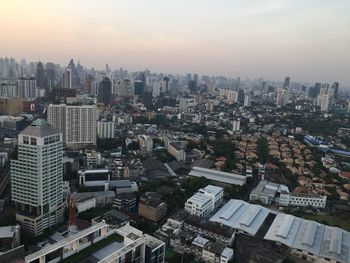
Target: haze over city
x=307 y=40
x=163 y=131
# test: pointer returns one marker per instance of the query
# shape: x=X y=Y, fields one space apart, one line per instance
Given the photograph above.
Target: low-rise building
x=310 y=240
x=152 y=208
x=265 y=192
x=218 y=176
x=145 y=142
x=178 y=150
x=134 y=246
x=303 y=200
x=205 y=201
x=125 y=201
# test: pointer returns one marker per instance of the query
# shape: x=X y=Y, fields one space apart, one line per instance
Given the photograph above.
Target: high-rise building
x=77 y=123
x=27 y=88
x=40 y=75
x=192 y=86
x=236 y=125
x=282 y=97
x=67 y=79
x=105 y=129
x=138 y=87
x=232 y=96
x=37 y=178
x=104 y=91
x=165 y=84
x=286 y=83
x=247 y=99
x=336 y=89
x=88 y=83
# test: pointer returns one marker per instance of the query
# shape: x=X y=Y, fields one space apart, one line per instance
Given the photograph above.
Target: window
x=25 y=139
x=32 y=141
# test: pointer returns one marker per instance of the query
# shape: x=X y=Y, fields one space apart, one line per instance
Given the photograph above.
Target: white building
x=232 y=96
x=93 y=159
x=205 y=201
x=27 y=88
x=247 y=99
x=134 y=246
x=178 y=150
x=282 y=97
x=146 y=143
x=298 y=199
x=77 y=123
x=105 y=129
x=236 y=125
x=37 y=177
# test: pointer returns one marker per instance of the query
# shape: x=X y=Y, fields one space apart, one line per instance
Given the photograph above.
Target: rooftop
x=40 y=128
x=240 y=215
x=224 y=177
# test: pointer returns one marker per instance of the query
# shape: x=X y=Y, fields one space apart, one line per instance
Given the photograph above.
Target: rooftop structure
x=310 y=239
x=266 y=191
x=214 y=175
x=242 y=216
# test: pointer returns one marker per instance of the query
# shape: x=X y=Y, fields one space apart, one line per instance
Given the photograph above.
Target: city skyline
x=231 y=38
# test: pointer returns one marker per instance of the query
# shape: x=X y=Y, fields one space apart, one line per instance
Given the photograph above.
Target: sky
x=308 y=40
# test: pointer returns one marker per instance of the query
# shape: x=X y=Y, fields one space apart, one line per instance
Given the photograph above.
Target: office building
x=27 y=88
x=105 y=129
x=77 y=123
x=104 y=91
x=247 y=99
x=232 y=96
x=205 y=201
x=37 y=177
x=282 y=97
x=67 y=79
x=335 y=87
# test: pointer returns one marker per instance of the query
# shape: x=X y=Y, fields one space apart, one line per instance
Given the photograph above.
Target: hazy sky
x=308 y=40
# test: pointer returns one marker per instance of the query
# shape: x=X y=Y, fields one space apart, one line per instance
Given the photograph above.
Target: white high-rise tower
x=37 y=177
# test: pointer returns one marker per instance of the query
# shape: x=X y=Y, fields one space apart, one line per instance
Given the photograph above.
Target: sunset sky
x=308 y=40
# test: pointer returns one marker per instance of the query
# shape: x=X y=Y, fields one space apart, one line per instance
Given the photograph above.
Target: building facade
x=76 y=122
x=293 y=199
x=37 y=178
x=205 y=201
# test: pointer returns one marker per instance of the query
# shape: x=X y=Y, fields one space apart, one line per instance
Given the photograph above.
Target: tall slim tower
x=104 y=91
x=37 y=176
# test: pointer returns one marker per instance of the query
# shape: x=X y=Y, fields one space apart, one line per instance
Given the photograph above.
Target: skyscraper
x=37 y=176
x=40 y=76
x=286 y=83
x=247 y=99
x=104 y=91
x=27 y=88
x=282 y=97
x=336 y=89
x=77 y=123
x=67 y=79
